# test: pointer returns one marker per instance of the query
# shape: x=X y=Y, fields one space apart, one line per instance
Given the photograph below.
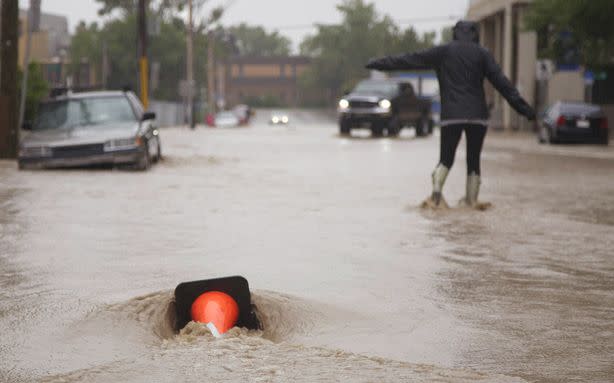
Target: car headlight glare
x=284 y=119
x=385 y=104
x=344 y=104
x=275 y=120
x=124 y=143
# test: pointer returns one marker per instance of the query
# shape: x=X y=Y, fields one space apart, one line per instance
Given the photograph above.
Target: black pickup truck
x=384 y=106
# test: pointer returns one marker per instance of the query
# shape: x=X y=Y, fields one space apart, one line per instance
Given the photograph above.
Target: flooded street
x=352 y=281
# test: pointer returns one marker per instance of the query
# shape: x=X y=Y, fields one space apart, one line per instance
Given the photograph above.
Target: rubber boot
x=439 y=179
x=472 y=189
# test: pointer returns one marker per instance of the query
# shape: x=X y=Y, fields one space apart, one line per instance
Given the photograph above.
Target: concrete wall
x=168 y=113
x=526 y=67
x=566 y=86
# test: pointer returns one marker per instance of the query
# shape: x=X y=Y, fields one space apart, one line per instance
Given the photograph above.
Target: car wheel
x=605 y=140
x=394 y=128
x=344 y=128
x=549 y=137
x=541 y=137
x=377 y=130
x=422 y=127
x=144 y=162
x=158 y=153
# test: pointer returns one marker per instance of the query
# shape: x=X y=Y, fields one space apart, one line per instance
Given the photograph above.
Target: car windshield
x=383 y=87
x=66 y=114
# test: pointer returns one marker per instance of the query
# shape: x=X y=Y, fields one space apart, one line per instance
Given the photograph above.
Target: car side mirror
x=27 y=125
x=148 y=116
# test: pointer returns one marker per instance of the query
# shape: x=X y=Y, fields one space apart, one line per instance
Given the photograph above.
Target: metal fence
x=170 y=113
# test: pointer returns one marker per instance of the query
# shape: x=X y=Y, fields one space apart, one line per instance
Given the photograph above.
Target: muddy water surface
x=352 y=281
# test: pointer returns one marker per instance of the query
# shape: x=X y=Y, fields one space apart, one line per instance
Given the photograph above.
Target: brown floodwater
x=351 y=279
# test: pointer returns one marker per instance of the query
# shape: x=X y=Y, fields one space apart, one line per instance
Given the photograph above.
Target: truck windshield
x=383 y=87
x=67 y=114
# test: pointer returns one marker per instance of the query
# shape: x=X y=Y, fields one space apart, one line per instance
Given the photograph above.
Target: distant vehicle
x=384 y=105
x=226 y=119
x=279 y=118
x=244 y=113
x=426 y=86
x=91 y=128
x=573 y=122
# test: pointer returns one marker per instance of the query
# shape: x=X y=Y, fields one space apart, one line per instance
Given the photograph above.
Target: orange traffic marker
x=228 y=306
x=217 y=308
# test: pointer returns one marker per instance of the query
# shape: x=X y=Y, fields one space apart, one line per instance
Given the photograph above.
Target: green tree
x=37 y=89
x=127 y=7
x=340 y=51
x=447 y=35
x=588 y=21
x=256 y=41
x=167 y=49
x=86 y=45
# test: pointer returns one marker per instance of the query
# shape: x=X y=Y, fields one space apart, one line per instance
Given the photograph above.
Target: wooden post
x=9 y=112
x=143 y=63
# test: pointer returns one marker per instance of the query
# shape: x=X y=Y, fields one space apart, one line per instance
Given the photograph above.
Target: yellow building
x=49 y=46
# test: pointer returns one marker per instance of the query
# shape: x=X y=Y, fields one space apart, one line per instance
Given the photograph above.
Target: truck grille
x=362 y=104
x=78 y=151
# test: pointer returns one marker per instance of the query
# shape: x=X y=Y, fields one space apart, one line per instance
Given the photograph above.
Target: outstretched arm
x=428 y=59
x=504 y=86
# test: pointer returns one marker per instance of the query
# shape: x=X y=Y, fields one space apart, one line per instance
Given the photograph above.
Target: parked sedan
x=91 y=128
x=573 y=122
x=226 y=119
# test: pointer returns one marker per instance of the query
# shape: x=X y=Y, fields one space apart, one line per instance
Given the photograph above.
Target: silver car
x=91 y=128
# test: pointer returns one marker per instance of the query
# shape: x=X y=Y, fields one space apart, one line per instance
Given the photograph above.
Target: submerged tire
x=144 y=162
x=344 y=128
x=394 y=128
x=377 y=130
x=422 y=127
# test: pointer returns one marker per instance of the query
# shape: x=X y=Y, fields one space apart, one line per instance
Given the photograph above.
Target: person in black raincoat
x=461 y=67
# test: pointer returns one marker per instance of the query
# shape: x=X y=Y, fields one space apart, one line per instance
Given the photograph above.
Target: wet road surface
x=352 y=280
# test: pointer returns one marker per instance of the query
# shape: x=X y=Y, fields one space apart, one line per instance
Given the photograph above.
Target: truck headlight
x=344 y=104
x=122 y=144
x=385 y=104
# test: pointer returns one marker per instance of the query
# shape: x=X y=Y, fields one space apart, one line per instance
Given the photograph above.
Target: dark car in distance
x=573 y=122
x=91 y=128
x=384 y=106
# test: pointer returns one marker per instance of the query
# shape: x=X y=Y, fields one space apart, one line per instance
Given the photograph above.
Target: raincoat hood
x=467 y=31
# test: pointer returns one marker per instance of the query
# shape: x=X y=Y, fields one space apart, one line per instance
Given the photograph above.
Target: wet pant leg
x=450 y=137
x=475 y=135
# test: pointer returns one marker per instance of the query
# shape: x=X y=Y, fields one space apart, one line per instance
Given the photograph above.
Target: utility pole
x=143 y=64
x=8 y=79
x=190 y=66
x=211 y=73
x=33 y=26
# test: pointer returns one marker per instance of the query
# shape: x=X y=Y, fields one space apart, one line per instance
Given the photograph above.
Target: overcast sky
x=292 y=17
